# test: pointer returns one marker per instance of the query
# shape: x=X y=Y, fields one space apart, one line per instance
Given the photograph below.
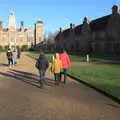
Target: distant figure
x=56 y=68
x=14 y=57
x=42 y=64
x=10 y=57
x=18 y=53
x=65 y=64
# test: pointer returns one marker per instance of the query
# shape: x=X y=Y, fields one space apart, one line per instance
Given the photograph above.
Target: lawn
x=104 y=77
x=35 y=55
x=77 y=58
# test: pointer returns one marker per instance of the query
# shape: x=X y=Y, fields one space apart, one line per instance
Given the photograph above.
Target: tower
x=12 y=21
x=12 y=30
x=39 y=32
x=22 y=25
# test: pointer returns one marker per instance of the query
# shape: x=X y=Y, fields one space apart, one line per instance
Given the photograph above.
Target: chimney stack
x=60 y=29
x=71 y=25
x=22 y=25
x=115 y=9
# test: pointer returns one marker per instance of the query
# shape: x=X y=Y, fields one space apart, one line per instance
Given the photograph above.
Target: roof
x=78 y=29
x=39 y=21
x=100 y=23
x=18 y=29
x=5 y=29
x=66 y=32
x=57 y=36
x=25 y=29
x=95 y=25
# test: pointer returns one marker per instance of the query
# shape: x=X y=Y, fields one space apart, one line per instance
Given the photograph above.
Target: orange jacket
x=65 y=60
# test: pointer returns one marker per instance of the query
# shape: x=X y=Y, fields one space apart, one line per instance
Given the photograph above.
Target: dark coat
x=42 y=63
x=18 y=53
x=9 y=54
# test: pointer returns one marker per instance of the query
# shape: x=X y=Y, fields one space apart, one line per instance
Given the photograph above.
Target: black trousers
x=64 y=73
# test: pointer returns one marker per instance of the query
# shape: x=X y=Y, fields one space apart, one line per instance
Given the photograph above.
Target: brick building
x=13 y=36
x=101 y=35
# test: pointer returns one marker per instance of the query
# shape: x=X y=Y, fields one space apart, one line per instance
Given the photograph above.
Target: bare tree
x=51 y=41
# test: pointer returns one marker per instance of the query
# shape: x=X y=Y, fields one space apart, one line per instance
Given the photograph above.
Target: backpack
x=9 y=54
x=37 y=64
x=41 y=63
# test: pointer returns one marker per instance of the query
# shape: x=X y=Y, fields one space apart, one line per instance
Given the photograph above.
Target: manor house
x=100 y=36
x=13 y=37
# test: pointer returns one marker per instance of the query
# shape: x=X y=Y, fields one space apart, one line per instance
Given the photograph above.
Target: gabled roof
x=95 y=25
x=78 y=29
x=100 y=23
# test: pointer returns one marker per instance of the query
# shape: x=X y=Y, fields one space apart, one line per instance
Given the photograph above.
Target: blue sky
x=54 y=13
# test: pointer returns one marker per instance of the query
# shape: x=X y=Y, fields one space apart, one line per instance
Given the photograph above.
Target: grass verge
x=104 y=77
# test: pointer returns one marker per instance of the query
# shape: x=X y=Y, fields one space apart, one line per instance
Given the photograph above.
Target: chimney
x=71 y=25
x=60 y=29
x=85 y=20
x=115 y=9
x=22 y=25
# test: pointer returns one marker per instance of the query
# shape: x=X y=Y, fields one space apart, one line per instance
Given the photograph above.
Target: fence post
x=87 y=58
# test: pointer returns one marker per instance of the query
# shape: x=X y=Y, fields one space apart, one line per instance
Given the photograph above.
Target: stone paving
x=22 y=99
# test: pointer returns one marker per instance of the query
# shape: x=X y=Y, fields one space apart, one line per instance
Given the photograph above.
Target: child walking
x=56 y=68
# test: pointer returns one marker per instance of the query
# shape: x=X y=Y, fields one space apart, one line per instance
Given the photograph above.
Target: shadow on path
x=4 y=65
x=26 y=77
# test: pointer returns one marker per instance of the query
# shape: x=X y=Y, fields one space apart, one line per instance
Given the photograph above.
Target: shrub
x=5 y=48
x=1 y=48
x=25 y=48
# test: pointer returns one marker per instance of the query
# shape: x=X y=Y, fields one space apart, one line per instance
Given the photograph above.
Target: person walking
x=42 y=64
x=64 y=57
x=18 y=53
x=10 y=57
x=56 y=68
x=14 y=57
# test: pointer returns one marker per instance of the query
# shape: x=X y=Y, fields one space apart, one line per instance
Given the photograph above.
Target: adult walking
x=18 y=53
x=65 y=64
x=42 y=64
x=10 y=57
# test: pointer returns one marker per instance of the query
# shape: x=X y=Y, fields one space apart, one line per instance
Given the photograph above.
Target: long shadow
x=29 y=78
x=4 y=65
x=19 y=78
x=31 y=75
x=32 y=79
x=27 y=73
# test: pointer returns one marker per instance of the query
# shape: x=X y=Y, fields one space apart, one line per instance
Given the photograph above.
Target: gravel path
x=22 y=99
